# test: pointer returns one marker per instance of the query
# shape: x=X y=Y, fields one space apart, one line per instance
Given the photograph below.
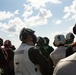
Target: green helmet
x=70 y=37
x=46 y=39
x=40 y=41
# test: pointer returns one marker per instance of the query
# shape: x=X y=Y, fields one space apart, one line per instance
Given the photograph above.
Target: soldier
x=67 y=66
x=27 y=59
x=8 y=49
x=3 y=59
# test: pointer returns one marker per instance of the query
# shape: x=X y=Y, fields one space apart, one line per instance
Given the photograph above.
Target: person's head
x=7 y=43
x=69 y=38
x=27 y=35
x=46 y=39
x=74 y=29
x=1 y=42
x=59 y=40
x=40 y=41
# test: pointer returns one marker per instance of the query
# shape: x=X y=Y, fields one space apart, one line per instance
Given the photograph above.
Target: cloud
x=39 y=19
x=37 y=3
x=57 y=21
x=42 y=3
x=16 y=12
x=74 y=17
x=13 y=26
x=6 y=15
x=55 y=1
x=67 y=15
x=1 y=25
x=43 y=14
x=73 y=7
x=70 y=11
x=52 y=35
x=28 y=11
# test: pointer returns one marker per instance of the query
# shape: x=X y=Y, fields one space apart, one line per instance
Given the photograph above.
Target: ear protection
x=23 y=34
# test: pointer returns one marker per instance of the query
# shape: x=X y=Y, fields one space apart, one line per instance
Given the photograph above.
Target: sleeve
x=50 y=49
x=69 y=51
x=11 y=54
x=2 y=58
x=37 y=58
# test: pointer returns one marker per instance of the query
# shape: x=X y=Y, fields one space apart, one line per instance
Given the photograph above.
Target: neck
x=29 y=43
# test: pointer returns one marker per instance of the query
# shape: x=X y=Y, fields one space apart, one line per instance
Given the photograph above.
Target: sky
x=46 y=17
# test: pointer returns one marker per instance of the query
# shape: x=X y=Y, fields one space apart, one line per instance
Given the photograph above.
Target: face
x=29 y=40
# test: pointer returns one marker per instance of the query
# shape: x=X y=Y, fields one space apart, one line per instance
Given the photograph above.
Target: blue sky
x=46 y=17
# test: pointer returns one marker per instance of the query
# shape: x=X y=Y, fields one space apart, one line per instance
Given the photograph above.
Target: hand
x=73 y=44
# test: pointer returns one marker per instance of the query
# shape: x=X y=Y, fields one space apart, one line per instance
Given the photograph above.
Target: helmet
x=7 y=43
x=59 y=40
x=46 y=39
x=1 y=41
x=74 y=29
x=40 y=41
x=25 y=32
x=70 y=37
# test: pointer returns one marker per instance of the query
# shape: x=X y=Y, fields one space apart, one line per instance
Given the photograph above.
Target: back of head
x=46 y=39
x=72 y=48
x=1 y=41
x=70 y=37
x=59 y=40
x=13 y=47
x=25 y=32
x=74 y=29
x=40 y=41
x=7 y=43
